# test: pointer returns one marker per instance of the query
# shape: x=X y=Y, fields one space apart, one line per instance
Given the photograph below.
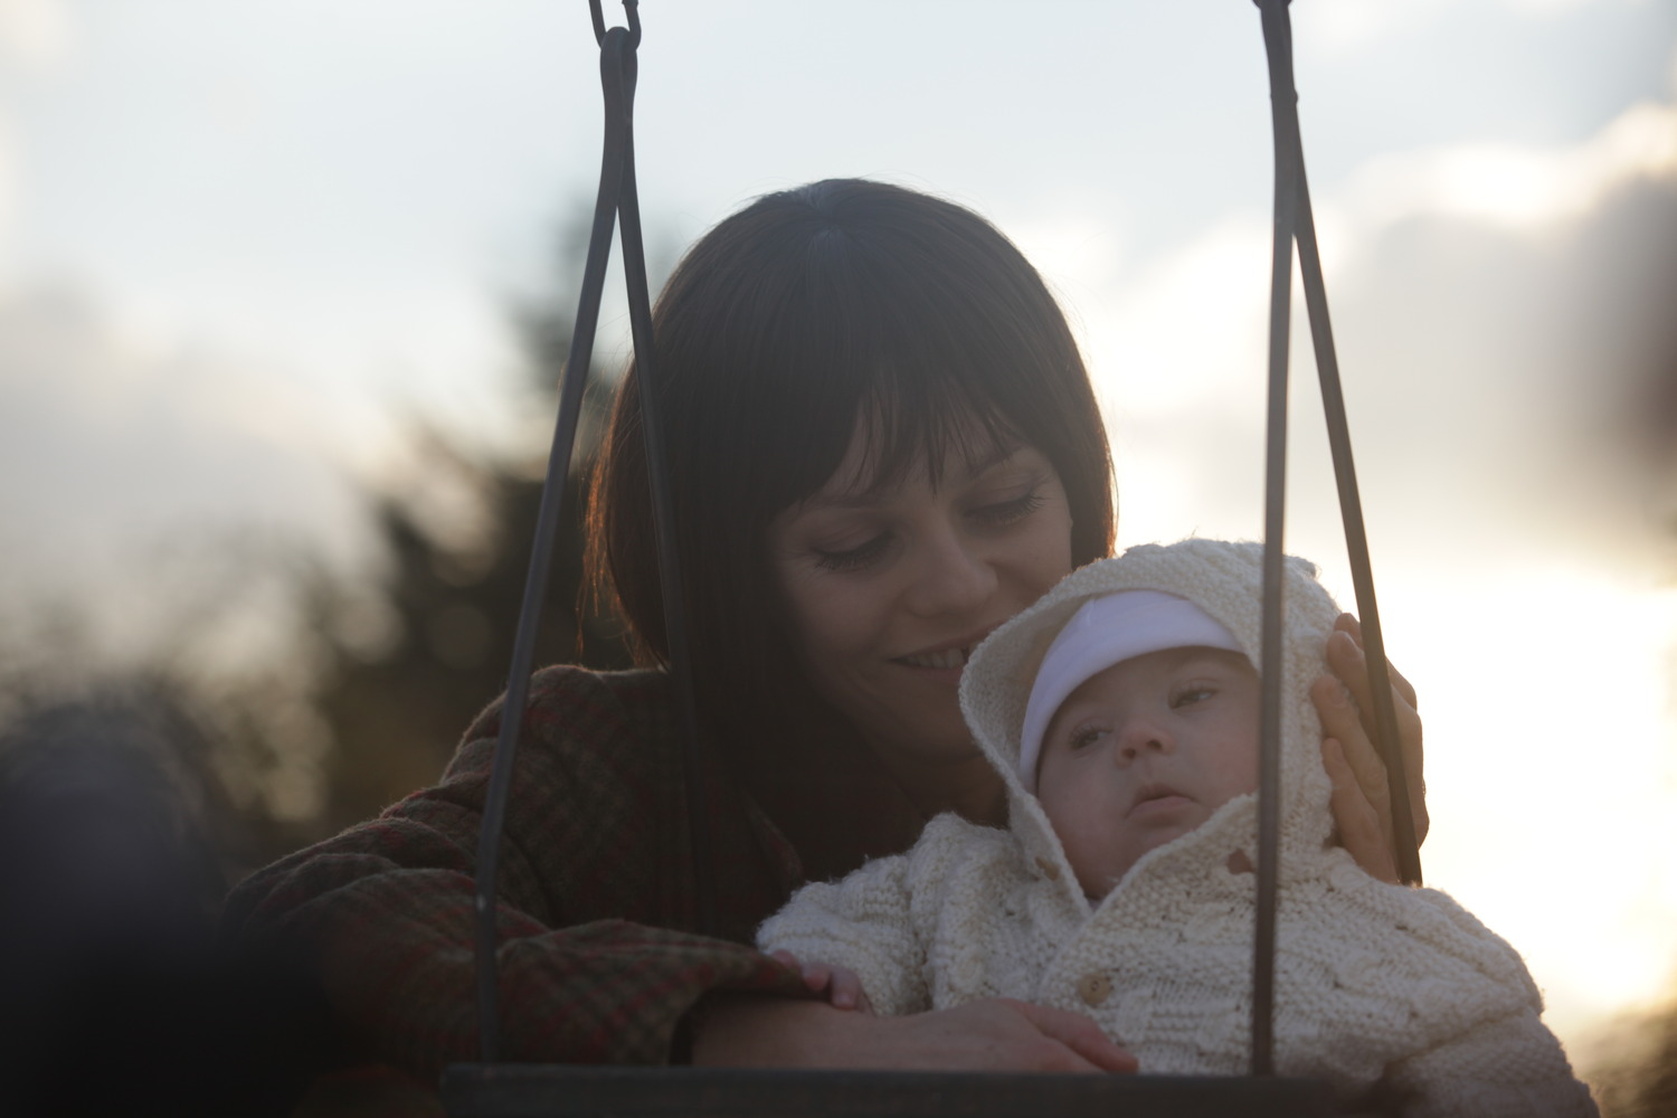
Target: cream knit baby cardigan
x=1373 y=981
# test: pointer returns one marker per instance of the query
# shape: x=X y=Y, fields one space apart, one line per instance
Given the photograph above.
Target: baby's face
x=1144 y=752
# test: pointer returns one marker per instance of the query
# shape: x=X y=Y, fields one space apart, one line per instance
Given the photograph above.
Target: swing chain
x=617 y=204
x=631 y=8
x=1294 y=225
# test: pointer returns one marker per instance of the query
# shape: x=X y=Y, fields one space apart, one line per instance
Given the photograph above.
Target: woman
x=884 y=444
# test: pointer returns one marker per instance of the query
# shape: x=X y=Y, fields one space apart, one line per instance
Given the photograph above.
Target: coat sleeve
x=862 y=922
x=1512 y=1067
x=383 y=911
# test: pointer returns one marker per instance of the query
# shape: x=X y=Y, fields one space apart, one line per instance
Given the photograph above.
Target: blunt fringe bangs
x=809 y=312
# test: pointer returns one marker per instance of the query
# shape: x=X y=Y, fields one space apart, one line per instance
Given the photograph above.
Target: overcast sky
x=239 y=241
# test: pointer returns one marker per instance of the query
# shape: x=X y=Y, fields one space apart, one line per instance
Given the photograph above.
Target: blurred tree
x=458 y=542
x=226 y=660
x=115 y=1001
x=322 y=697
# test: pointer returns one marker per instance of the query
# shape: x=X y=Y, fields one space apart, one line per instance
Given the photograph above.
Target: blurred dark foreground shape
x=114 y=999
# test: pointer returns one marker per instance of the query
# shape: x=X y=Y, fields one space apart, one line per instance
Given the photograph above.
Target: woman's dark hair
x=781 y=327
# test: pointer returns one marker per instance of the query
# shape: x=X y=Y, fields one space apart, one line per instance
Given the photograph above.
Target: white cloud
x=1178 y=362
x=114 y=461
x=34 y=33
x=166 y=511
x=34 y=36
x=1490 y=303
x=1555 y=7
x=1517 y=186
x=1334 y=27
x=8 y=186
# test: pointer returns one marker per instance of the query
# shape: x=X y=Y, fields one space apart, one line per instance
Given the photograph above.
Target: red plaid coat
x=598 y=960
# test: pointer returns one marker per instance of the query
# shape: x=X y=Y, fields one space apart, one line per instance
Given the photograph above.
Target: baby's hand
x=841 y=987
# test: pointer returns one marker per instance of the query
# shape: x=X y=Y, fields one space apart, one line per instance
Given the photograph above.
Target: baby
x=1122 y=711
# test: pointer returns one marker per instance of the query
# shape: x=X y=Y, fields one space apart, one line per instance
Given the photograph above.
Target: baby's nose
x=1142 y=737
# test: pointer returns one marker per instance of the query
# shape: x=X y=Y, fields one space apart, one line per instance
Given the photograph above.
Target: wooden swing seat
x=576 y=1091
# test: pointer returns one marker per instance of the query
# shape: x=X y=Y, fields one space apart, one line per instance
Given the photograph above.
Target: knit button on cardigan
x=1094 y=988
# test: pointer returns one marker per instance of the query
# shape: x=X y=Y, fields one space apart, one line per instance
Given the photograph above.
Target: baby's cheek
x=1242 y=765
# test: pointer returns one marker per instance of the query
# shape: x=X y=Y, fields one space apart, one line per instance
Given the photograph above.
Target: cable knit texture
x=1374 y=982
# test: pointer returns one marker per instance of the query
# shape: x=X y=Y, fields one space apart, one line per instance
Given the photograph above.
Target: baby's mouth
x=941 y=660
x=1155 y=793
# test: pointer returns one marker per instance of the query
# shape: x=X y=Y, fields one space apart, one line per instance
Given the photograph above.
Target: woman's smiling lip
x=944 y=656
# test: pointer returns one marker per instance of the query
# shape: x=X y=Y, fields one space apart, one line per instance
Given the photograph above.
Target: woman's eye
x=853 y=558
x=1003 y=513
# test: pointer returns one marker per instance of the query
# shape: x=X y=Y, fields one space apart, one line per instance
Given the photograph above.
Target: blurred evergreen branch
x=318 y=698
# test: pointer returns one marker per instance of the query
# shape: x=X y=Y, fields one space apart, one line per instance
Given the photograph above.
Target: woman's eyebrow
x=1000 y=451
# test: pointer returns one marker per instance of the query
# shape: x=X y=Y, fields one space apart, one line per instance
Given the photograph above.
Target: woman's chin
x=927 y=743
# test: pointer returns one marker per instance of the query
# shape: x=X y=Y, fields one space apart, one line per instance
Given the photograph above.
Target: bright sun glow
x=1549 y=772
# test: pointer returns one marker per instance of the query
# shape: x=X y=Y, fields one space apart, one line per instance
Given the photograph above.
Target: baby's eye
x=1191 y=694
x=1085 y=736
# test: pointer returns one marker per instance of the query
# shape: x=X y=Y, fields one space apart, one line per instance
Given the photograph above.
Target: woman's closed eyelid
x=852 y=558
x=1011 y=509
x=836 y=531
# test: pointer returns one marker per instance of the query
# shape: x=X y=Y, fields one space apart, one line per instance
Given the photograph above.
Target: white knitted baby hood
x=1225 y=580
x=1366 y=973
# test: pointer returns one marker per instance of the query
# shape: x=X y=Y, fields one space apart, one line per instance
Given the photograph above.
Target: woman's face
x=889 y=591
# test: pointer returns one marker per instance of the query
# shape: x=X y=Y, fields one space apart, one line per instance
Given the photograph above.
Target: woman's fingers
x=841 y=985
x=818 y=977
x=1351 y=627
x=1362 y=831
x=815 y=975
x=845 y=991
x=1342 y=718
x=1079 y=1034
x=1340 y=722
x=1347 y=662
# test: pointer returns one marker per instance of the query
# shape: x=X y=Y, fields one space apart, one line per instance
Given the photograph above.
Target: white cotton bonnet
x=1104 y=632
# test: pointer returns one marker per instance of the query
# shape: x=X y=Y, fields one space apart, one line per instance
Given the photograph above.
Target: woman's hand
x=996 y=1034
x=840 y=986
x=1362 y=802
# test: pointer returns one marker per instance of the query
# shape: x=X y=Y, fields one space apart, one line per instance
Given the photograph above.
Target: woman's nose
x=952 y=576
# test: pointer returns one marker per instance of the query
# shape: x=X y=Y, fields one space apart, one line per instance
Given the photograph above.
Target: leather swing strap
x=1293 y=221
x=616 y=204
